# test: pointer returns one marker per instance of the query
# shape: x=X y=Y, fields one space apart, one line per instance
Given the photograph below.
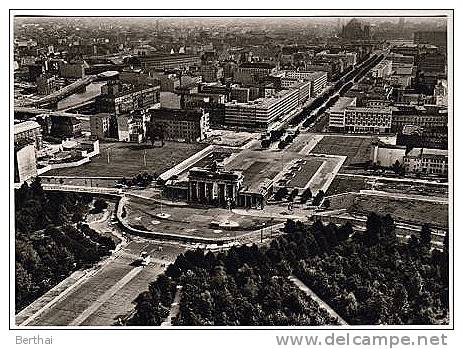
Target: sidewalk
x=303 y=287
x=52 y=296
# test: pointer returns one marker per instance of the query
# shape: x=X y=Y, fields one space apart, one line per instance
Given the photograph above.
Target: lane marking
x=105 y=296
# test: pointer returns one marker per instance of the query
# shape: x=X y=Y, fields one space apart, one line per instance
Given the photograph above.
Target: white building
x=386 y=155
x=368 y=120
x=428 y=161
x=318 y=79
x=337 y=112
x=260 y=113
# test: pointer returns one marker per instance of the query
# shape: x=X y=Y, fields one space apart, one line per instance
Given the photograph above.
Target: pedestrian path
x=303 y=287
x=175 y=307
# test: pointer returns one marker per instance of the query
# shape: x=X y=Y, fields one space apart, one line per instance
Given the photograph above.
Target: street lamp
x=262 y=232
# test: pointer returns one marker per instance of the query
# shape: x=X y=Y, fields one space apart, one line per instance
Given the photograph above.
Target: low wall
x=62 y=165
x=164 y=236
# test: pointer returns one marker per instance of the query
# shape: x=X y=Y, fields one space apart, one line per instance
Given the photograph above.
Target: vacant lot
x=357 y=149
x=412 y=211
x=127 y=159
x=344 y=184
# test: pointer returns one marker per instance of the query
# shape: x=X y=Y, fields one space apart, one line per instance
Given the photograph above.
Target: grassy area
x=127 y=159
x=357 y=149
x=306 y=173
x=343 y=184
x=412 y=211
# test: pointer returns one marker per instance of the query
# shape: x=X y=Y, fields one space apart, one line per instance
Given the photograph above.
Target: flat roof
x=262 y=102
x=416 y=152
x=342 y=103
x=25 y=126
x=371 y=109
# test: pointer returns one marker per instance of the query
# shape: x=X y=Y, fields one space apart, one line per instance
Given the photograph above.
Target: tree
x=425 y=236
x=397 y=167
x=156 y=131
x=374 y=228
x=265 y=143
x=306 y=195
x=326 y=203
x=318 y=198
x=281 y=193
x=100 y=205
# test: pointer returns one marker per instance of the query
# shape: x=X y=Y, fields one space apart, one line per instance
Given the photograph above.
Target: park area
x=119 y=159
x=406 y=210
x=357 y=149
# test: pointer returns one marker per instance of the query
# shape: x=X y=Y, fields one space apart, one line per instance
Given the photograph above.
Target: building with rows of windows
x=368 y=120
x=262 y=112
x=428 y=161
x=181 y=125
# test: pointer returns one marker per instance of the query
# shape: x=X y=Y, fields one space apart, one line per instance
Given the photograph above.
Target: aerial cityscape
x=231 y=171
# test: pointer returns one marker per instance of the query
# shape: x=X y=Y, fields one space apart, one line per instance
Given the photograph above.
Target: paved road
x=99 y=296
x=303 y=287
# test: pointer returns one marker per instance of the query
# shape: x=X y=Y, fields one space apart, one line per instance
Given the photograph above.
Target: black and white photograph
x=231 y=171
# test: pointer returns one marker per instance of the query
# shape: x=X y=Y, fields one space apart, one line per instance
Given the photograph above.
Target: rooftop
x=370 y=109
x=342 y=103
x=258 y=65
x=25 y=126
x=262 y=102
x=422 y=152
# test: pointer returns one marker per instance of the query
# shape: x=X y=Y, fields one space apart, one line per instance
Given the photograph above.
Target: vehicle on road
x=144 y=258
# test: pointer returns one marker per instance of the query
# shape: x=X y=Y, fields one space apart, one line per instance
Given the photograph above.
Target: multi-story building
x=368 y=120
x=252 y=73
x=424 y=116
x=180 y=125
x=240 y=94
x=318 y=79
x=116 y=100
x=382 y=70
x=45 y=84
x=386 y=155
x=25 y=162
x=157 y=61
x=169 y=82
x=211 y=72
x=100 y=125
x=441 y=93
x=304 y=89
x=337 y=113
x=192 y=101
x=397 y=58
x=65 y=126
x=427 y=161
x=432 y=63
x=260 y=113
x=438 y=38
x=28 y=130
x=74 y=70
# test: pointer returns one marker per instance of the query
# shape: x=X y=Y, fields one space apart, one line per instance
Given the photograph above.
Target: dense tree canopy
x=368 y=278
x=51 y=241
